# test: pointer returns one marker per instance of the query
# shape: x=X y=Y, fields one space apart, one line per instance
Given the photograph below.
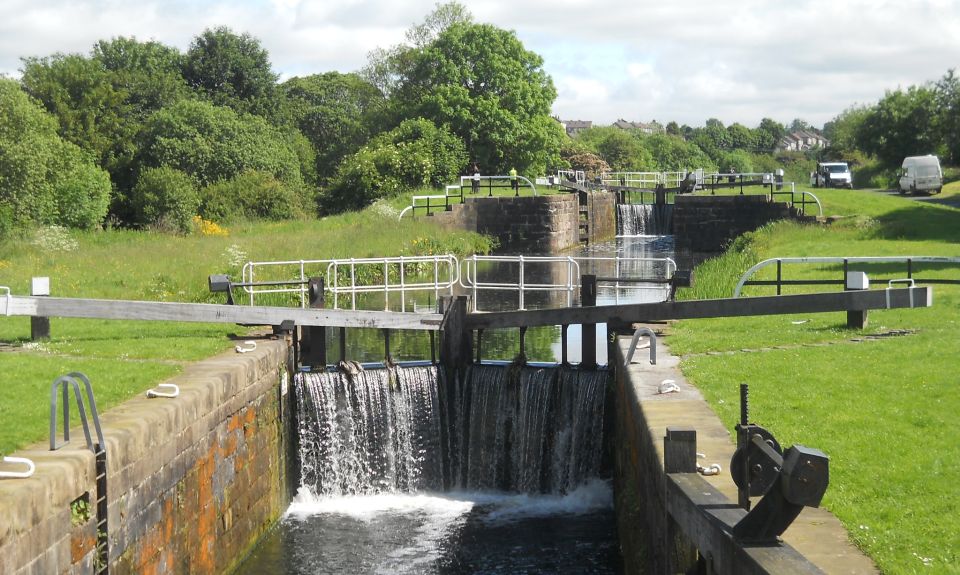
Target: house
x=574 y=127
x=802 y=140
x=653 y=127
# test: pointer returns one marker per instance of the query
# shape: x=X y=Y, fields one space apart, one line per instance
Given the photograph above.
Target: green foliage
x=947 y=95
x=251 y=196
x=768 y=134
x=490 y=91
x=413 y=155
x=736 y=160
x=671 y=153
x=165 y=198
x=212 y=143
x=903 y=123
x=233 y=70
x=82 y=194
x=624 y=152
x=89 y=108
x=336 y=112
x=43 y=180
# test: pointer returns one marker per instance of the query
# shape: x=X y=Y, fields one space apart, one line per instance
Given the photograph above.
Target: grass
x=125 y=358
x=884 y=409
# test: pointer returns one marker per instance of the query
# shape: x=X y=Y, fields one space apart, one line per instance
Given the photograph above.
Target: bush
x=165 y=198
x=83 y=196
x=411 y=156
x=251 y=195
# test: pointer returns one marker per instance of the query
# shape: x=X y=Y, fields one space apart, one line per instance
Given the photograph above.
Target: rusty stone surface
x=184 y=476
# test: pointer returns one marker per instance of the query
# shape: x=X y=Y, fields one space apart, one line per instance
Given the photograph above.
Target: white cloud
x=685 y=60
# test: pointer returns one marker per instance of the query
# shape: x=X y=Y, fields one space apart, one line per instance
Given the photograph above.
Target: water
x=521 y=450
x=503 y=474
x=644 y=219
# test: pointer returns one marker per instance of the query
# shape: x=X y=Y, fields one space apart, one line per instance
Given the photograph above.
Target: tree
x=673 y=129
x=233 y=70
x=670 y=153
x=149 y=73
x=624 y=152
x=212 y=143
x=413 y=155
x=903 y=123
x=89 y=108
x=490 y=91
x=799 y=125
x=741 y=137
x=947 y=96
x=768 y=135
x=43 y=179
x=842 y=131
x=336 y=112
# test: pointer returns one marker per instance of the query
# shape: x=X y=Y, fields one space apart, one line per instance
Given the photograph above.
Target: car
x=921 y=174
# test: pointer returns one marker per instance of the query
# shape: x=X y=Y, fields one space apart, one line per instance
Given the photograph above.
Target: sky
x=670 y=60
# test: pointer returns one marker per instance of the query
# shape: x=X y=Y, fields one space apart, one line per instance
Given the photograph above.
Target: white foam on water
x=368 y=507
x=595 y=495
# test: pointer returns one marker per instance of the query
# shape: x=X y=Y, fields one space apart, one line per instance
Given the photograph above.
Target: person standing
x=475 y=184
x=514 y=183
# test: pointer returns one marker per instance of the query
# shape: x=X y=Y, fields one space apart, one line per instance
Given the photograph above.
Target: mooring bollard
x=40 y=326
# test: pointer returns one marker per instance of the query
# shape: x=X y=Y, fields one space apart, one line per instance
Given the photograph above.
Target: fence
x=779 y=282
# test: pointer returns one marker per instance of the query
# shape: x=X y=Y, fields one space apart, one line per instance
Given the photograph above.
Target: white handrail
x=839 y=260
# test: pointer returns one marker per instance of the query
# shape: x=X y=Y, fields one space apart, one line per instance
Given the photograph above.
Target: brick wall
x=192 y=481
x=710 y=223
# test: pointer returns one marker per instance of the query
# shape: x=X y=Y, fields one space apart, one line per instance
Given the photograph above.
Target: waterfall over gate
x=644 y=219
x=505 y=428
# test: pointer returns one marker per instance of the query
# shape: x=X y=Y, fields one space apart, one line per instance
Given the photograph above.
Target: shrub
x=413 y=155
x=165 y=198
x=83 y=196
x=251 y=195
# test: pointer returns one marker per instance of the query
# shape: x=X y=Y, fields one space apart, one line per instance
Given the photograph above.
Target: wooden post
x=454 y=338
x=679 y=456
x=313 y=342
x=40 y=326
x=588 y=335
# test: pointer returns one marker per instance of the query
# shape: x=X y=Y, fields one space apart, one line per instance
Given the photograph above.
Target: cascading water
x=519 y=448
x=521 y=429
x=644 y=219
x=370 y=432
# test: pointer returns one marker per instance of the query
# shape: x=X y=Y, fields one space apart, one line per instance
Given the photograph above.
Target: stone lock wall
x=710 y=223
x=192 y=481
x=527 y=224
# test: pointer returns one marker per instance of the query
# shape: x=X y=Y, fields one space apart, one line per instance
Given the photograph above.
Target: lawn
x=882 y=406
x=125 y=358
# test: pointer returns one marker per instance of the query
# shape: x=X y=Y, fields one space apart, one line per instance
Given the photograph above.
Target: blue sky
x=682 y=60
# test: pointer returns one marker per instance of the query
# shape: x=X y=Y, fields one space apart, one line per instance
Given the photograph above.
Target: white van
x=921 y=174
x=832 y=175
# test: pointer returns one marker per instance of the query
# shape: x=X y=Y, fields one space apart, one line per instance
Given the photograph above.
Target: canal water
x=402 y=472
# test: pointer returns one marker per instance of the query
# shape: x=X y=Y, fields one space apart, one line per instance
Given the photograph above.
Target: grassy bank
x=883 y=406
x=125 y=358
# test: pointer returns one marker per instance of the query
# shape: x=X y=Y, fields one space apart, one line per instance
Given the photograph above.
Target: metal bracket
x=173 y=386
x=18 y=474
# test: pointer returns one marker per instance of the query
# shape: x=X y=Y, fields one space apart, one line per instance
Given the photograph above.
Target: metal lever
x=641 y=331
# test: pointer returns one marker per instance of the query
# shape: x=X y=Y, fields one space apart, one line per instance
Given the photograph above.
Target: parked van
x=921 y=174
x=832 y=175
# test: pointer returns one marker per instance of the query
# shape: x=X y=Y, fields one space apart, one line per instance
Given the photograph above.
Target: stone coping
x=816 y=533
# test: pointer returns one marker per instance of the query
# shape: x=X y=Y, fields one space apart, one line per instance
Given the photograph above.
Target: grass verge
x=882 y=406
x=125 y=358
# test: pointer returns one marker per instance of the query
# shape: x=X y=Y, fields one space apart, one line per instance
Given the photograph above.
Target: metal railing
x=779 y=282
x=470 y=277
x=364 y=275
x=429 y=202
x=494 y=182
x=793 y=198
x=647 y=180
x=346 y=279
x=577 y=176
x=621 y=278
